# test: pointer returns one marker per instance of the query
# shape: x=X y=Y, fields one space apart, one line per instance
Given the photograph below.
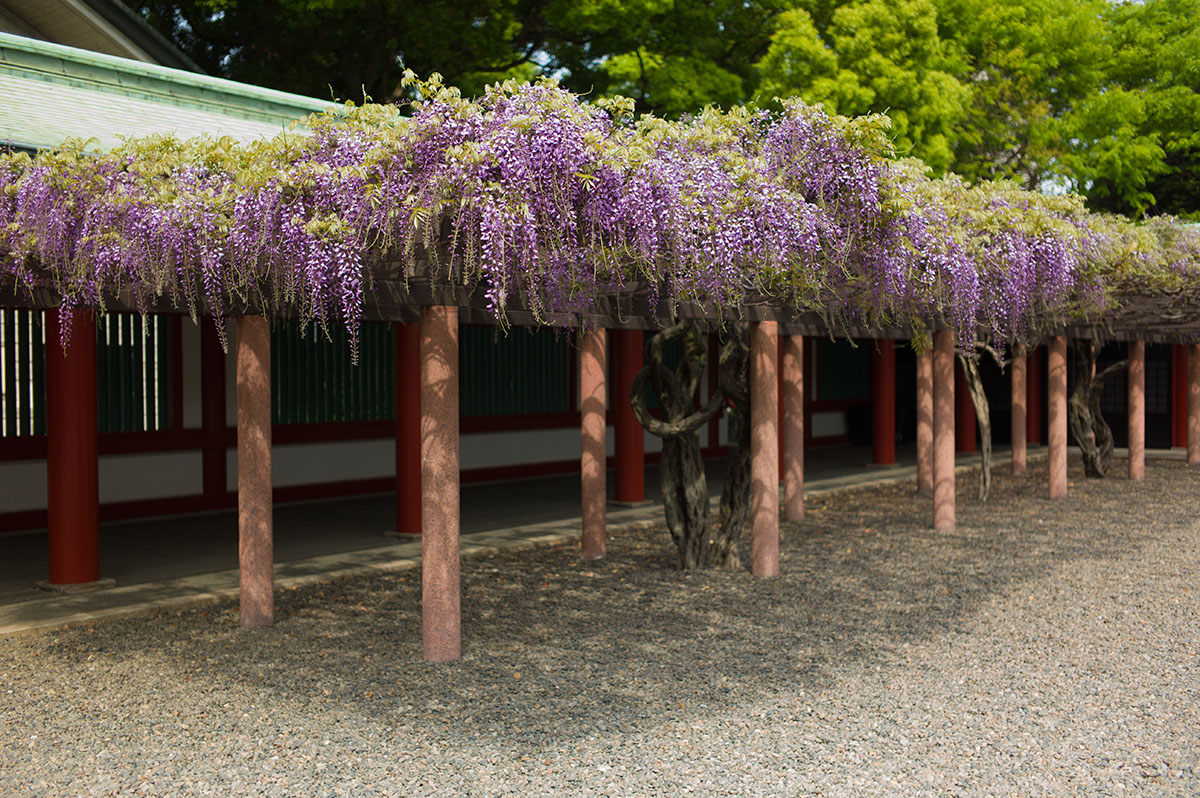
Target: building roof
x=103 y=26
x=49 y=93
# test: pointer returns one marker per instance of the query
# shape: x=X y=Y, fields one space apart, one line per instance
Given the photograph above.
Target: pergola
x=427 y=314
x=408 y=280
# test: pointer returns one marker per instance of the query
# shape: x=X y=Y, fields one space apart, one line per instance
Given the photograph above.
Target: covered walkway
x=168 y=563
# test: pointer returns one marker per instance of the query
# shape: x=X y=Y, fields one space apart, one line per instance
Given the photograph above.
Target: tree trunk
x=734 y=375
x=983 y=415
x=681 y=470
x=1091 y=431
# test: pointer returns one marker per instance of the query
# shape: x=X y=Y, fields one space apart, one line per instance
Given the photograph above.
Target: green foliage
x=879 y=56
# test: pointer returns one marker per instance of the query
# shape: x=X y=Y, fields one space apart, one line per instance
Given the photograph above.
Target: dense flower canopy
x=528 y=194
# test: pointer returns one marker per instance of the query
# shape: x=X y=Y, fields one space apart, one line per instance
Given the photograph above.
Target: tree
x=1137 y=139
x=344 y=48
x=672 y=56
x=1027 y=63
x=878 y=56
x=701 y=540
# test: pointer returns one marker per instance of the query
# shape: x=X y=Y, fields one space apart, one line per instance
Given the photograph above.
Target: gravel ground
x=1044 y=649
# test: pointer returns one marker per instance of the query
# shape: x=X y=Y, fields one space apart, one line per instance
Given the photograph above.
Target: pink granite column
x=792 y=399
x=255 y=528
x=440 y=620
x=593 y=402
x=925 y=423
x=764 y=449
x=1193 y=405
x=1020 y=394
x=1137 y=410
x=1056 y=379
x=943 y=431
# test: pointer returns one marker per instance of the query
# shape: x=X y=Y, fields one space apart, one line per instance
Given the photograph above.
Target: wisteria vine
x=528 y=194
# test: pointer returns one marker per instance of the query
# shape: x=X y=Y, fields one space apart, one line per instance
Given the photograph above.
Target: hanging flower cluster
x=528 y=195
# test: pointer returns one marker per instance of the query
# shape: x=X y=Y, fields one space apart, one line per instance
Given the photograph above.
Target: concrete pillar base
x=79 y=587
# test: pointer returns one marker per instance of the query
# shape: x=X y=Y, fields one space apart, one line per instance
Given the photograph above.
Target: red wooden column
x=72 y=482
x=792 y=400
x=631 y=461
x=408 y=428
x=440 y=618
x=943 y=431
x=1137 y=410
x=964 y=414
x=593 y=401
x=883 y=402
x=925 y=423
x=764 y=449
x=1056 y=378
x=212 y=412
x=1193 y=405
x=255 y=544
x=1020 y=395
x=1179 y=395
x=1033 y=403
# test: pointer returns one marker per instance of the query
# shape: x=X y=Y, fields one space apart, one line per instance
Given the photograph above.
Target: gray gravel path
x=1044 y=649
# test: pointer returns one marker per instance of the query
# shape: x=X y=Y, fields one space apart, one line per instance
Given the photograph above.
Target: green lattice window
x=313 y=380
x=523 y=371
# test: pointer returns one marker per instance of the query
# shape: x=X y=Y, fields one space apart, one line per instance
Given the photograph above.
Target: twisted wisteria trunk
x=983 y=415
x=702 y=542
x=1092 y=433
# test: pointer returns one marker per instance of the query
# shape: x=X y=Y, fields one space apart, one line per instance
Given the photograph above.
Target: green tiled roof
x=49 y=93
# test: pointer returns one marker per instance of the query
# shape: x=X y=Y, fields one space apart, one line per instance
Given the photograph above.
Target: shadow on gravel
x=553 y=646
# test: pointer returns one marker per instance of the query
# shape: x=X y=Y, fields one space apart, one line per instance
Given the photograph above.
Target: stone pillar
x=943 y=431
x=792 y=400
x=1056 y=377
x=883 y=402
x=1137 y=410
x=408 y=428
x=593 y=402
x=630 y=485
x=1193 y=405
x=964 y=414
x=925 y=423
x=440 y=600
x=255 y=523
x=764 y=449
x=72 y=479
x=1020 y=395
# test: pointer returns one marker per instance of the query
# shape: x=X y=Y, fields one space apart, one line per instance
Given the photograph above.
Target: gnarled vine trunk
x=701 y=541
x=1091 y=431
x=983 y=415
